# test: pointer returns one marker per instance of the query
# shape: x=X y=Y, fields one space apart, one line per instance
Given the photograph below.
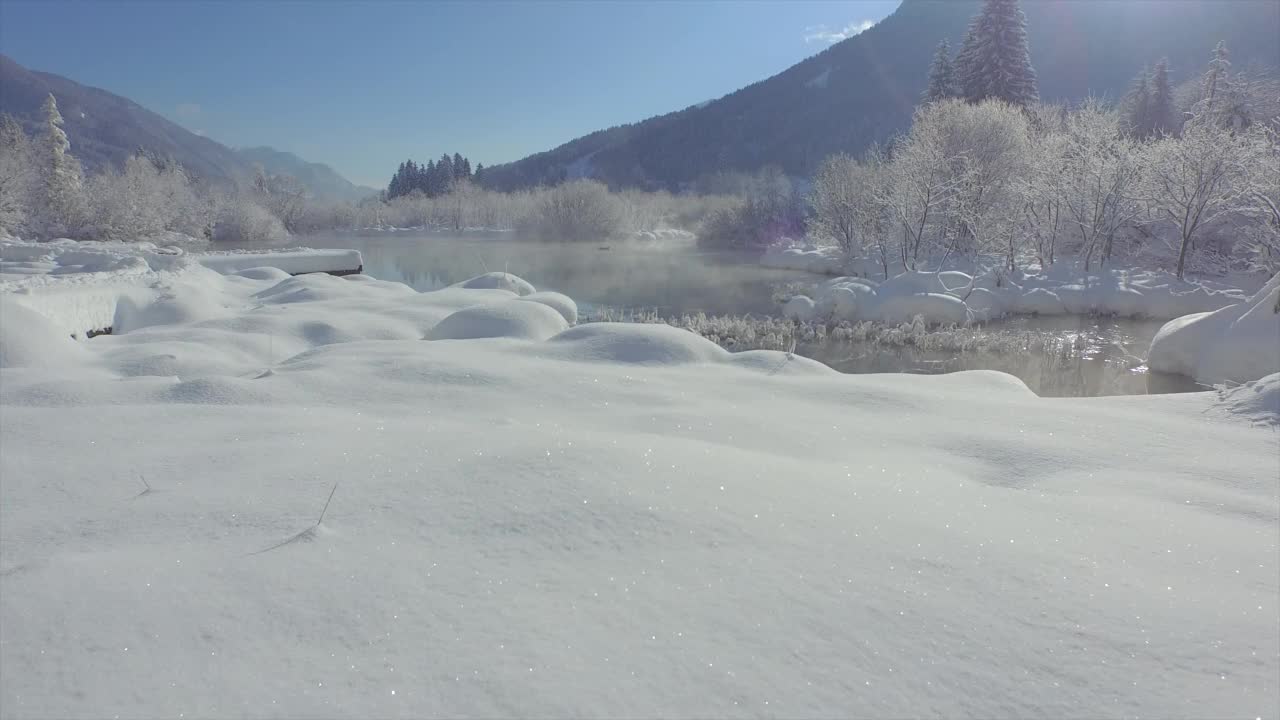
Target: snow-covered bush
x=143 y=201
x=240 y=219
x=580 y=210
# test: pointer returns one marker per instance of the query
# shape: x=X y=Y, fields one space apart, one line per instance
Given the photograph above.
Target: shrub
x=581 y=210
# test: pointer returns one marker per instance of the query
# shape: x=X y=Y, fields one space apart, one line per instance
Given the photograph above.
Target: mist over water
x=729 y=298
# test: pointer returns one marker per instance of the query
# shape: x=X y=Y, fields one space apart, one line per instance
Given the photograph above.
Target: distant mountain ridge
x=105 y=129
x=321 y=179
x=864 y=89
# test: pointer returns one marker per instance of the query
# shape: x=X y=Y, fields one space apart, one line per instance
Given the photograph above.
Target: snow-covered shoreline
x=536 y=518
x=952 y=296
x=80 y=286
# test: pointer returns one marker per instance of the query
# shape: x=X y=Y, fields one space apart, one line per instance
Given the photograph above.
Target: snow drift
x=616 y=520
x=1237 y=343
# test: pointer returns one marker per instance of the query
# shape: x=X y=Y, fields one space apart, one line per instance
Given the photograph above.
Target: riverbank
x=563 y=520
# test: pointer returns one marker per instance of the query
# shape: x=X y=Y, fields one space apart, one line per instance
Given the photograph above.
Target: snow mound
x=263 y=272
x=820 y=261
x=799 y=307
x=562 y=304
x=1257 y=401
x=1237 y=343
x=29 y=339
x=188 y=303
x=498 y=281
x=512 y=319
x=636 y=344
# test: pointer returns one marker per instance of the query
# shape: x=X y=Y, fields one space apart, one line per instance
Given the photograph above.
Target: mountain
x=864 y=89
x=322 y=180
x=105 y=129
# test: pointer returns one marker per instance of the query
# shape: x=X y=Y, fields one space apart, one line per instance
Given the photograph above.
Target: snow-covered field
x=534 y=519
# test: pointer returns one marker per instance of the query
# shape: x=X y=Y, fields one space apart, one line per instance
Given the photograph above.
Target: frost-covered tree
x=1198 y=178
x=1137 y=105
x=1160 y=117
x=838 y=191
x=282 y=196
x=17 y=175
x=580 y=210
x=942 y=75
x=60 y=208
x=1101 y=174
x=144 y=200
x=995 y=60
x=1260 y=244
x=1223 y=100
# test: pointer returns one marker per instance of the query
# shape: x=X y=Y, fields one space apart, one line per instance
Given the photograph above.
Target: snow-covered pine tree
x=62 y=207
x=457 y=166
x=1160 y=111
x=1222 y=100
x=942 y=75
x=995 y=60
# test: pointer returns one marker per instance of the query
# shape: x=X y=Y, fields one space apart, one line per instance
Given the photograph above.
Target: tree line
x=434 y=179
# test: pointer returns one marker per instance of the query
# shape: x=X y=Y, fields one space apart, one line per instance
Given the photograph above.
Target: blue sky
x=362 y=85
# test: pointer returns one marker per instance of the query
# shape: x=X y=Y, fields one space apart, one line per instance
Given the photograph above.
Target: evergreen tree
x=1137 y=105
x=942 y=75
x=457 y=166
x=466 y=168
x=445 y=168
x=995 y=61
x=479 y=174
x=1223 y=101
x=432 y=179
x=61 y=181
x=1160 y=111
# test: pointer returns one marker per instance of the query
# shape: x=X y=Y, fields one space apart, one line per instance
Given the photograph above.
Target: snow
x=1237 y=343
x=618 y=520
x=92 y=286
x=29 y=339
x=294 y=261
x=499 y=281
x=952 y=297
x=821 y=261
x=514 y=319
x=1257 y=401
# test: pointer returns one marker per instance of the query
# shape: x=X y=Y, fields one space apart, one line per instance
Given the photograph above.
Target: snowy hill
x=864 y=89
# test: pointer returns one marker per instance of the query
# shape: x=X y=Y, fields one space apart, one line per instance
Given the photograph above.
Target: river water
x=1055 y=356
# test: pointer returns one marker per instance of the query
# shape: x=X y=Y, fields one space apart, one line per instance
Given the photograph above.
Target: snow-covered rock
x=1237 y=343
